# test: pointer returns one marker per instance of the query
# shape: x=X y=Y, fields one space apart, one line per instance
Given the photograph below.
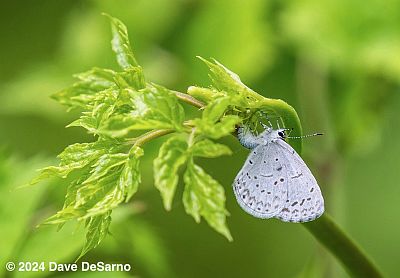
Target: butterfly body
x=274 y=181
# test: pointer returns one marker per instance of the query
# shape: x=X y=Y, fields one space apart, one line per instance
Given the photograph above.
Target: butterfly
x=275 y=181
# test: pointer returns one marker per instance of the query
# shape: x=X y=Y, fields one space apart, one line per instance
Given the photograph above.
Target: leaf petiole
x=189 y=99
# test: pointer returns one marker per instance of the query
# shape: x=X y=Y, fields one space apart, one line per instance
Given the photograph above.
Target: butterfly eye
x=281 y=134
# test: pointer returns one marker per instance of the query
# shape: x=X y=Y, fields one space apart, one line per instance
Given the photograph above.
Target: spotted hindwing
x=304 y=200
x=261 y=185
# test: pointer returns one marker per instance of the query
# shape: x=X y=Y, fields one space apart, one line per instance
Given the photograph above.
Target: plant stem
x=142 y=139
x=342 y=247
x=189 y=99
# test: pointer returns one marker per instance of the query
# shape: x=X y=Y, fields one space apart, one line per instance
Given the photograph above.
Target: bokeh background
x=337 y=62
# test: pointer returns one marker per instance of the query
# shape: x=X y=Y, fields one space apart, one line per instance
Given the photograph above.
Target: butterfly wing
x=261 y=185
x=304 y=199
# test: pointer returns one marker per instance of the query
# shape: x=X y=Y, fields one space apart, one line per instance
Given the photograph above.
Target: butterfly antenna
x=305 y=136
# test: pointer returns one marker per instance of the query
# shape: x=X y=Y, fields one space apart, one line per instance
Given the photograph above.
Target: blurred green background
x=337 y=62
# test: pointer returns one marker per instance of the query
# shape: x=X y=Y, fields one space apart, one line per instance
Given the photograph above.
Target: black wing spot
x=269 y=192
x=282 y=179
x=255 y=177
x=265 y=161
x=267 y=176
x=257 y=185
x=251 y=162
x=276 y=159
x=279 y=168
x=308 y=199
x=302 y=202
x=295 y=203
x=262 y=191
x=312 y=189
x=296 y=176
x=275 y=183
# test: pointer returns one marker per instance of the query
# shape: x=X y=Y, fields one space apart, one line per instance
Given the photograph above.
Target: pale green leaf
x=217 y=130
x=121 y=125
x=112 y=179
x=172 y=155
x=73 y=157
x=131 y=77
x=227 y=81
x=216 y=109
x=120 y=44
x=213 y=123
x=205 y=197
x=209 y=149
x=203 y=94
x=97 y=229
x=103 y=195
x=130 y=176
x=154 y=108
x=105 y=164
x=90 y=82
x=101 y=107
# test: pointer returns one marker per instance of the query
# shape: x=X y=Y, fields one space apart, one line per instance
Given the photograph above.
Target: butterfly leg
x=265 y=115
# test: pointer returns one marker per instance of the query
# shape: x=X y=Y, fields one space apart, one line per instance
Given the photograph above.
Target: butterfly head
x=281 y=133
x=271 y=134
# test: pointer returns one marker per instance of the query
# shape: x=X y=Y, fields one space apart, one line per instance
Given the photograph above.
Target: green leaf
x=73 y=157
x=100 y=108
x=216 y=109
x=228 y=81
x=216 y=130
x=131 y=77
x=203 y=94
x=97 y=229
x=172 y=155
x=118 y=184
x=209 y=149
x=90 y=82
x=121 y=125
x=159 y=103
x=105 y=164
x=154 y=108
x=130 y=176
x=209 y=126
x=120 y=44
x=106 y=179
x=114 y=179
x=204 y=196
